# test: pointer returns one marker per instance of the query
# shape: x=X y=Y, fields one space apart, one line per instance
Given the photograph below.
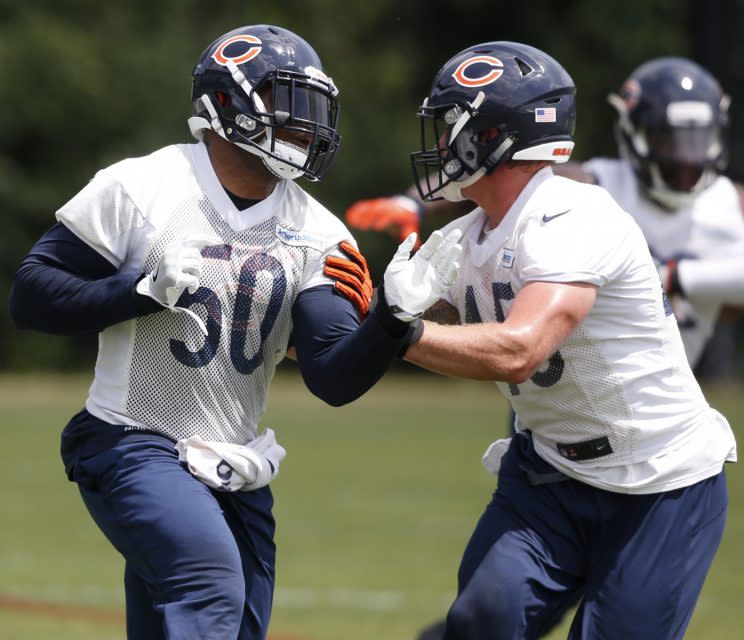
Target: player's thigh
x=167 y=524
x=647 y=583
x=522 y=567
x=516 y=591
x=530 y=510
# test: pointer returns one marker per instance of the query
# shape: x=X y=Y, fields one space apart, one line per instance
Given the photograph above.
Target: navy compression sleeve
x=65 y=287
x=339 y=358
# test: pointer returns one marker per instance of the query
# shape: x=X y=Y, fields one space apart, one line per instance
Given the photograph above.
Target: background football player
x=199 y=264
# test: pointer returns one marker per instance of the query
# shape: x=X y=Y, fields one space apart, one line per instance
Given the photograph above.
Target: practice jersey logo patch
x=466 y=77
x=507 y=258
x=242 y=48
x=295 y=238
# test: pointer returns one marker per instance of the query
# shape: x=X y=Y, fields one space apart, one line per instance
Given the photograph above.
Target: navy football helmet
x=263 y=89
x=490 y=103
x=672 y=119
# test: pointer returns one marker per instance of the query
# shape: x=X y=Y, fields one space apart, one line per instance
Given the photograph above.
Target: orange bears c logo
x=221 y=56
x=494 y=72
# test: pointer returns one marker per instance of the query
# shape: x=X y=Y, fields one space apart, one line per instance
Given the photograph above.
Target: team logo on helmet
x=240 y=53
x=495 y=71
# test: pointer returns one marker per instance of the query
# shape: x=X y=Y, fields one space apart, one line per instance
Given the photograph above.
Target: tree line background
x=84 y=84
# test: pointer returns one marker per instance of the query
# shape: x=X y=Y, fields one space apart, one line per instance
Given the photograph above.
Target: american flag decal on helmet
x=545 y=114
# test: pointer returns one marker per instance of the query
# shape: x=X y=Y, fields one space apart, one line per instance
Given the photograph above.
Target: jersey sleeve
x=103 y=216
x=326 y=244
x=577 y=246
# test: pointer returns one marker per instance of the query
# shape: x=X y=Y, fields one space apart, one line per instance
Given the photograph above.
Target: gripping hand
x=399 y=215
x=412 y=285
x=179 y=268
x=352 y=277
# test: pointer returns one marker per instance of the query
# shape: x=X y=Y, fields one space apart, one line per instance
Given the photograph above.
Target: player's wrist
x=393 y=326
x=145 y=303
x=413 y=335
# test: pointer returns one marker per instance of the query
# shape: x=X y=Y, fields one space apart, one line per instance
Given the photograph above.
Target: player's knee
x=494 y=613
x=212 y=610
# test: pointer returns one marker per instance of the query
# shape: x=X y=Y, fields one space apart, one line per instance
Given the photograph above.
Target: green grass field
x=374 y=505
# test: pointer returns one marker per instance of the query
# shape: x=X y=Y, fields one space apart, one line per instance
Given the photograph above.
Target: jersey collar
x=236 y=219
x=484 y=242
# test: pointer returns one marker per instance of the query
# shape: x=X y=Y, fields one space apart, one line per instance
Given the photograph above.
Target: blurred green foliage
x=84 y=84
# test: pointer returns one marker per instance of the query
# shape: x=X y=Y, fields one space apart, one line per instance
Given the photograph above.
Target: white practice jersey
x=710 y=227
x=622 y=375
x=159 y=371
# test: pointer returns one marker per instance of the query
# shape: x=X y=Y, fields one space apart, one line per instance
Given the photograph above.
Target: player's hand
x=179 y=268
x=412 y=285
x=399 y=216
x=351 y=276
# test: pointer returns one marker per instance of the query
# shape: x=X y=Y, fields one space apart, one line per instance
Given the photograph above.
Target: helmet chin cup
x=278 y=164
x=286 y=155
x=660 y=192
x=452 y=190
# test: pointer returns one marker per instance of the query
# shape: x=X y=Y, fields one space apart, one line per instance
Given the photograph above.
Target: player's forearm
x=718 y=280
x=50 y=300
x=65 y=287
x=477 y=352
x=339 y=358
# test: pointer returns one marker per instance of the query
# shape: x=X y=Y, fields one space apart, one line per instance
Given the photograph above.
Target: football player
x=613 y=487
x=671 y=132
x=199 y=265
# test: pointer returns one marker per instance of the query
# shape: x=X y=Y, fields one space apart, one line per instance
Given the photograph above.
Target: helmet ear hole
x=222 y=98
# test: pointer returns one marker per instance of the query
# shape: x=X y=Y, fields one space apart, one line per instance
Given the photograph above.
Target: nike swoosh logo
x=555 y=215
x=155 y=275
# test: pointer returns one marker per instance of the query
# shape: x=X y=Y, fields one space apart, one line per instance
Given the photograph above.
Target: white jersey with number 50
x=621 y=380
x=159 y=371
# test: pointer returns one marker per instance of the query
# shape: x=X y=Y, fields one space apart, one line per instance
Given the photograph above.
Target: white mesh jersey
x=159 y=371
x=622 y=374
x=711 y=226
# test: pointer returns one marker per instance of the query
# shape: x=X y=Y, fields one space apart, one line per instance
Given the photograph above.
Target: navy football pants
x=640 y=560
x=199 y=564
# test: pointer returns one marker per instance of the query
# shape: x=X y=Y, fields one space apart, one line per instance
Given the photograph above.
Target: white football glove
x=412 y=285
x=492 y=457
x=179 y=268
x=233 y=467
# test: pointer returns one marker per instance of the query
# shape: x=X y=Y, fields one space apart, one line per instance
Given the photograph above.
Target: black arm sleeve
x=65 y=287
x=340 y=359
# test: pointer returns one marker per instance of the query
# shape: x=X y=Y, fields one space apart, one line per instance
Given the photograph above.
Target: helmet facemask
x=674 y=163
x=288 y=119
x=672 y=118
x=454 y=154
